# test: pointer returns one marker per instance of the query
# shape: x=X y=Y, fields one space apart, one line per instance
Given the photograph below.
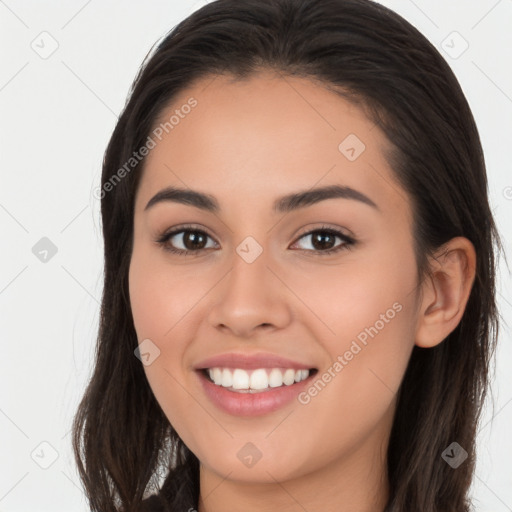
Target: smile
x=255 y=381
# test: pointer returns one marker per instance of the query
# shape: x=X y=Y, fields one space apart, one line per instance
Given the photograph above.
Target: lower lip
x=251 y=404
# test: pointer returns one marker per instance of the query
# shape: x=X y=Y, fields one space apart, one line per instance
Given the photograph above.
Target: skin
x=260 y=139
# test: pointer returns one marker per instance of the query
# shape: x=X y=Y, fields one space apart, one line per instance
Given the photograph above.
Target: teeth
x=275 y=378
x=260 y=379
x=240 y=379
x=289 y=377
x=217 y=375
x=227 y=378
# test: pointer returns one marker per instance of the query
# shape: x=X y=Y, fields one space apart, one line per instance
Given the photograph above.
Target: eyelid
x=324 y=227
x=304 y=231
x=183 y=227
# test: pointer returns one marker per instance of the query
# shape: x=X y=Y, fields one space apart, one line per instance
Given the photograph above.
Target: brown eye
x=185 y=241
x=194 y=239
x=323 y=241
x=188 y=241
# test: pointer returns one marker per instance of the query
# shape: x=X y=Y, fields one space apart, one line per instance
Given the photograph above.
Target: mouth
x=253 y=392
x=252 y=384
x=259 y=380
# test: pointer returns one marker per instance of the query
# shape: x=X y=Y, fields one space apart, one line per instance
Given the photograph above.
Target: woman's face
x=258 y=299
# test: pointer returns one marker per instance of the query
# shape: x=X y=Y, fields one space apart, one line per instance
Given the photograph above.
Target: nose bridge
x=250 y=262
x=250 y=295
x=249 y=280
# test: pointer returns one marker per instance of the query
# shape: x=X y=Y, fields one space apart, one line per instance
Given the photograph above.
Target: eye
x=190 y=239
x=322 y=240
x=193 y=241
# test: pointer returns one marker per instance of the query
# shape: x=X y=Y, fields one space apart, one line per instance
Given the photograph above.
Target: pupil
x=322 y=238
x=193 y=237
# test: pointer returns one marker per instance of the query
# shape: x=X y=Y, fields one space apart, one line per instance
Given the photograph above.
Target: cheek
x=367 y=327
x=158 y=303
x=355 y=395
x=368 y=297
x=159 y=295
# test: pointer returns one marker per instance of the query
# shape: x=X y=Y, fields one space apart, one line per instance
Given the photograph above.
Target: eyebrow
x=283 y=204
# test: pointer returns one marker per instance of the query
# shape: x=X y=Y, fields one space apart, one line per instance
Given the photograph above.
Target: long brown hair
x=121 y=438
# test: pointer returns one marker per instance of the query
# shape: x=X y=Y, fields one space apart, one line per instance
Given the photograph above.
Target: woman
x=299 y=298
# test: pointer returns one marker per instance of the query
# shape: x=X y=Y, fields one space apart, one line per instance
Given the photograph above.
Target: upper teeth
x=262 y=378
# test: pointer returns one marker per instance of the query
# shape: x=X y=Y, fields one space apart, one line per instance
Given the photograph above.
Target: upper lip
x=250 y=362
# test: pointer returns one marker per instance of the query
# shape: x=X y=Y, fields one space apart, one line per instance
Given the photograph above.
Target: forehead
x=265 y=136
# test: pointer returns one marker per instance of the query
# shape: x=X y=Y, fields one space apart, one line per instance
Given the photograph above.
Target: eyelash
x=166 y=236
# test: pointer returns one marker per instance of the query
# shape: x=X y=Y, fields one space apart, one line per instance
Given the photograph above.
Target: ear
x=445 y=293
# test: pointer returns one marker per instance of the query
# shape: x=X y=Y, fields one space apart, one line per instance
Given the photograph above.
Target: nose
x=251 y=297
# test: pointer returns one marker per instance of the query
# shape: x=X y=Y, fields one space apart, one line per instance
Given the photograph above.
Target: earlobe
x=446 y=291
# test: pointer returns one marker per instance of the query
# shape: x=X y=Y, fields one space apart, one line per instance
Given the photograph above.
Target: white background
x=57 y=115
